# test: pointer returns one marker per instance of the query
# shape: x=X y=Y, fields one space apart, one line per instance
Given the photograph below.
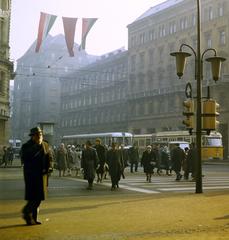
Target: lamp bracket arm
x=186 y=45
x=209 y=49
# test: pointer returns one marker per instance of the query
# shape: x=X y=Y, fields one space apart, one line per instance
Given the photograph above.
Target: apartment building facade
x=155 y=94
x=93 y=99
x=6 y=70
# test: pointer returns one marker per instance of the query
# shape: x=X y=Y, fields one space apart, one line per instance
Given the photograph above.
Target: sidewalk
x=115 y=217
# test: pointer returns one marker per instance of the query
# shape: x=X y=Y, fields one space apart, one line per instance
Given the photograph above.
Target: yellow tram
x=212 y=147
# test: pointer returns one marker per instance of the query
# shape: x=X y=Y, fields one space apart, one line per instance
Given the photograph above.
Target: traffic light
x=210 y=112
x=189 y=122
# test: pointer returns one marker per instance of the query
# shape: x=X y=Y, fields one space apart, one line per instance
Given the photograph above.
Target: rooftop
x=158 y=8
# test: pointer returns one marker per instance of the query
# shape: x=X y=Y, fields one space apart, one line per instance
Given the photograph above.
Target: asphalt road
x=162 y=210
x=216 y=177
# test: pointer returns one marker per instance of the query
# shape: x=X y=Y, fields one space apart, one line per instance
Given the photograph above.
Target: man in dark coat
x=177 y=157
x=101 y=152
x=89 y=164
x=134 y=157
x=114 y=163
x=37 y=160
x=191 y=161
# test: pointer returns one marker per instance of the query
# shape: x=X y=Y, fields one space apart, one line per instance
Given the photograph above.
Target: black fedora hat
x=34 y=131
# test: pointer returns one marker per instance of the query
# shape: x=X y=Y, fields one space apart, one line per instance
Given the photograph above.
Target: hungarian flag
x=45 y=24
x=69 y=30
x=87 y=24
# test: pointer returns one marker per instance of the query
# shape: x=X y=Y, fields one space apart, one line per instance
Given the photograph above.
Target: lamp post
x=216 y=66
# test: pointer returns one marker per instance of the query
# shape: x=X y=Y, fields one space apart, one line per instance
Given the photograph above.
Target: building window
x=133 y=63
x=209 y=42
x=182 y=24
x=210 y=13
x=133 y=41
x=220 y=10
x=193 y=19
x=222 y=37
x=151 y=35
x=142 y=38
x=142 y=60
x=163 y=31
x=151 y=57
x=2 y=81
x=171 y=28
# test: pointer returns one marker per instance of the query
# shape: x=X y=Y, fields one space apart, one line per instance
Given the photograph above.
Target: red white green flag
x=87 y=24
x=45 y=24
x=69 y=30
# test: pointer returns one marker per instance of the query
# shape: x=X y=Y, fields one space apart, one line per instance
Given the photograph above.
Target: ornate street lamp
x=216 y=66
x=180 y=61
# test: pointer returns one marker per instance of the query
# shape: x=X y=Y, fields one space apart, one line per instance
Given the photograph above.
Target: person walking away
x=114 y=163
x=10 y=155
x=70 y=160
x=185 y=164
x=61 y=159
x=134 y=158
x=101 y=152
x=165 y=163
x=76 y=159
x=158 y=159
x=177 y=157
x=191 y=161
x=148 y=162
x=89 y=163
x=4 y=156
x=37 y=159
x=124 y=159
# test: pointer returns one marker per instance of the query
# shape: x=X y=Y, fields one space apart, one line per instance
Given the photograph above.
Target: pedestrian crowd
x=91 y=161
x=7 y=156
x=39 y=158
x=100 y=160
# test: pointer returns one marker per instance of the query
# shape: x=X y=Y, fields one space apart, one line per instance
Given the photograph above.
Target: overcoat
x=177 y=157
x=89 y=162
x=37 y=160
x=101 y=152
x=148 y=161
x=61 y=158
x=114 y=163
x=133 y=155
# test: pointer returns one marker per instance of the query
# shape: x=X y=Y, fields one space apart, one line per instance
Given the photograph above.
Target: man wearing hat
x=36 y=158
x=89 y=163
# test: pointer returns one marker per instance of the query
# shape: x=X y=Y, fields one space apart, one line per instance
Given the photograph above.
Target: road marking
x=192 y=188
x=135 y=189
x=142 y=190
x=171 y=185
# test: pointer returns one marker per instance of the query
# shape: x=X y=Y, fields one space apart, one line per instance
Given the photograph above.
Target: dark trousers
x=90 y=181
x=134 y=165
x=31 y=208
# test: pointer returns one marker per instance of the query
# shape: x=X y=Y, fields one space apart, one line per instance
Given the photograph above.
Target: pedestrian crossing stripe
x=140 y=185
x=193 y=188
x=135 y=189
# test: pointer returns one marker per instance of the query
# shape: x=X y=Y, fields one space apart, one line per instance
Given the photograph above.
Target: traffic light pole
x=198 y=176
x=216 y=66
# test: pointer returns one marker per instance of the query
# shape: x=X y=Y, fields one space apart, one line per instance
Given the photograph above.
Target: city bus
x=212 y=147
x=107 y=138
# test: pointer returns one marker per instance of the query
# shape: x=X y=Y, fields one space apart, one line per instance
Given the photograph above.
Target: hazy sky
x=108 y=33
